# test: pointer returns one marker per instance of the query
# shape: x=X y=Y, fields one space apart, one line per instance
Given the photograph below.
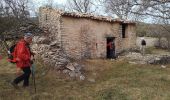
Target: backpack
x=10 y=53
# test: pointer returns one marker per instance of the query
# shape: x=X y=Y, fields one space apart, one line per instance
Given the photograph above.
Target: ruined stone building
x=85 y=35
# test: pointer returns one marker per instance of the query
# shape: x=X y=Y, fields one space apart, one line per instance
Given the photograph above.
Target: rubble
x=138 y=58
x=163 y=66
x=53 y=55
x=91 y=80
x=49 y=49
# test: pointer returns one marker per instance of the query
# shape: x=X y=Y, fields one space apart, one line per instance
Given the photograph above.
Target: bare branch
x=83 y=6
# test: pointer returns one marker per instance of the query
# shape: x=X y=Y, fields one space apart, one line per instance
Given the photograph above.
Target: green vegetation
x=114 y=80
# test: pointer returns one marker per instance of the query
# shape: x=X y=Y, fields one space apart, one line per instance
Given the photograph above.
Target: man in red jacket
x=22 y=56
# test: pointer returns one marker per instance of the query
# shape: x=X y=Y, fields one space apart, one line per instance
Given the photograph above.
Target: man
x=143 y=44
x=111 y=48
x=22 y=56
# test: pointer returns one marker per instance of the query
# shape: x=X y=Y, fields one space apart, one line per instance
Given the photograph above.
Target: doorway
x=110 y=47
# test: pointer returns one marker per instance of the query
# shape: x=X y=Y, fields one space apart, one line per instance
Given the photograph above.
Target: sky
x=38 y=3
x=35 y=4
x=56 y=1
x=61 y=1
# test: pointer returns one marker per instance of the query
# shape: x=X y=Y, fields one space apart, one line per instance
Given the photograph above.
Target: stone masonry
x=80 y=34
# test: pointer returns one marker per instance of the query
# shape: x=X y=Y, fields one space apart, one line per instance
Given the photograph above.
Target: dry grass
x=114 y=80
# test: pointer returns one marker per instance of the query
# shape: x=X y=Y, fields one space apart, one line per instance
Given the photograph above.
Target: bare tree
x=120 y=8
x=155 y=8
x=125 y=9
x=83 y=6
x=17 y=8
x=13 y=14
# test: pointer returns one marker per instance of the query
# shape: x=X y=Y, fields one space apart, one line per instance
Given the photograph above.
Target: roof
x=90 y=16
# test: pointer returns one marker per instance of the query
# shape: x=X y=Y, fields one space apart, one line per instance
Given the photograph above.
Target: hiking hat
x=28 y=34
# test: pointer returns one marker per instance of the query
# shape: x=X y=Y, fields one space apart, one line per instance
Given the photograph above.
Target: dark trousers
x=24 y=77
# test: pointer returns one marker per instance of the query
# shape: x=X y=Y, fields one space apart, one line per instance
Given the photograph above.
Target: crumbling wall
x=49 y=45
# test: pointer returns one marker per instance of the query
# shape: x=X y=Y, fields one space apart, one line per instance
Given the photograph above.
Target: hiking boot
x=14 y=85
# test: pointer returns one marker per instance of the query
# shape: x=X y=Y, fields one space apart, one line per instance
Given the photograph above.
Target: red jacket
x=22 y=52
x=110 y=45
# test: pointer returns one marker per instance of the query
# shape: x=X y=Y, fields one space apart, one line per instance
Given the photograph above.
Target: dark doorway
x=111 y=47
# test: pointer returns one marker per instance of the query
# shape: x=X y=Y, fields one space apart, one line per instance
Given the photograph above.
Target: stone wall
x=50 y=19
x=131 y=31
x=96 y=31
x=49 y=45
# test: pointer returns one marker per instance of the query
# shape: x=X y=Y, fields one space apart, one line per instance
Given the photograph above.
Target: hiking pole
x=33 y=75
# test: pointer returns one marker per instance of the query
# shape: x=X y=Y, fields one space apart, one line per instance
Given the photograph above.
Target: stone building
x=82 y=35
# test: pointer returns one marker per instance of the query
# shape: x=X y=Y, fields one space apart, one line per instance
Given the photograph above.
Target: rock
x=54 y=43
x=95 y=74
x=130 y=62
x=78 y=68
x=91 y=80
x=137 y=58
x=151 y=61
x=70 y=67
x=43 y=73
x=163 y=66
x=157 y=58
x=41 y=40
x=65 y=71
x=82 y=77
x=72 y=74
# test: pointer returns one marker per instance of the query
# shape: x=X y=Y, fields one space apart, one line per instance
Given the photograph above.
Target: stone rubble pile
x=52 y=54
x=138 y=58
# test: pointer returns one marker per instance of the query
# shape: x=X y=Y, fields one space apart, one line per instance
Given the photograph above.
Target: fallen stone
x=70 y=67
x=65 y=71
x=91 y=80
x=72 y=74
x=82 y=77
x=130 y=62
x=163 y=66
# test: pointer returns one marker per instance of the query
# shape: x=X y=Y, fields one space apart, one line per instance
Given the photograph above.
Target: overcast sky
x=35 y=4
x=56 y=1
x=59 y=3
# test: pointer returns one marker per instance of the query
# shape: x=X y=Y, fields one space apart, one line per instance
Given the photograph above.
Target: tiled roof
x=90 y=16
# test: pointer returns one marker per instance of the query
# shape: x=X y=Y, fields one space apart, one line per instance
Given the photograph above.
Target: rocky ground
x=161 y=58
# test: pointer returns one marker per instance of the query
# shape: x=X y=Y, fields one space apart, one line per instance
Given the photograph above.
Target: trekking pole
x=33 y=75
